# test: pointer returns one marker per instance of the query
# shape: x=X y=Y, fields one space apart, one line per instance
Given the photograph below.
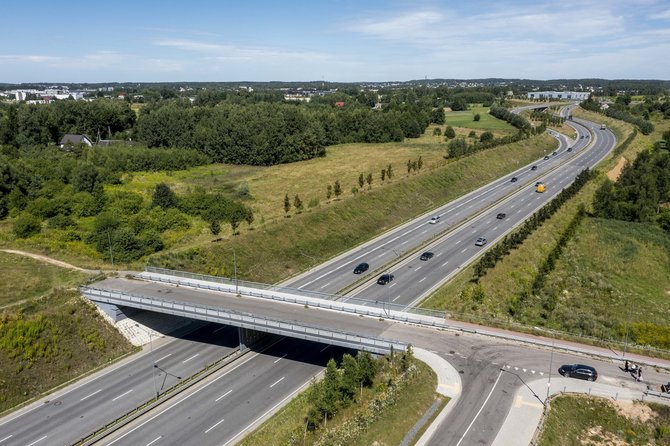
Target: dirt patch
x=634 y=411
x=616 y=171
x=46 y=259
x=596 y=437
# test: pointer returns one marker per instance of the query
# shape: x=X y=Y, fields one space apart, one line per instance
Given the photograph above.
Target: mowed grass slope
x=25 y=278
x=307 y=239
x=465 y=119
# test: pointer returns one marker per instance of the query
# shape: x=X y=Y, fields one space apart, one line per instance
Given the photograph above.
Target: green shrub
x=26 y=225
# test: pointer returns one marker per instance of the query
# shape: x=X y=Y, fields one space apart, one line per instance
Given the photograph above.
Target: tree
x=297 y=203
x=449 y=132
x=476 y=118
x=84 y=177
x=389 y=171
x=164 y=197
x=361 y=180
x=368 y=179
x=472 y=134
x=26 y=225
x=287 y=204
x=420 y=163
x=214 y=226
x=329 y=192
x=486 y=136
x=337 y=189
x=409 y=166
x=437 y=131
x=383 y=175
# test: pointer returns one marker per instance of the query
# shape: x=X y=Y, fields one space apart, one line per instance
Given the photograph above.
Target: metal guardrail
x=240 y=284
x=230 y=317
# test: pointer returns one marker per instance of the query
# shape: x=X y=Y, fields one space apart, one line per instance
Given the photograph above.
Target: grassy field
x=288 y=425
x=465 y=119
x=587 y=421
x=25 y=278
x=592 y=294
x=289 y=246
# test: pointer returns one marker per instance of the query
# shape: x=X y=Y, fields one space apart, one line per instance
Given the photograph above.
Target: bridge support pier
x=114 y=312
x=248 y=337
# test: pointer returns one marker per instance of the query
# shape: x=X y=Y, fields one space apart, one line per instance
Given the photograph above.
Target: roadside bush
x=26 y=225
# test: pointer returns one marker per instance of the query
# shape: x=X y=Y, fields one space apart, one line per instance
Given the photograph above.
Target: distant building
x=570 y=95
x=74 y=140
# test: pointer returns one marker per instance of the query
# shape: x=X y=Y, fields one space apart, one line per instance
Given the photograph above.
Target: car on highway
x=546 y=157
x=426 y=255
x=385 y=278
x=434 y=219
x=569 y=149
x=514 y=180
x=578 y=371
x=361 y=268
x=481 y=241
x=501 y=215
x=534 y=167
x=537 y=183
x=555 y=153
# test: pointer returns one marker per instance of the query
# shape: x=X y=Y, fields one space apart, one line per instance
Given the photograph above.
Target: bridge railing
x=232 y=317
x=303 y=297
x=249 y=288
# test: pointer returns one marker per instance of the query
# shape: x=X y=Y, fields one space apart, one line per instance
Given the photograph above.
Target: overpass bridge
x=252 y=307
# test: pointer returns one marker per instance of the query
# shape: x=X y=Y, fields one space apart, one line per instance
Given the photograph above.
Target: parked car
x=514 y=179
x=533 y=168
x=385 y=278
x=501 y=215
x=579 y=371
x=426 y=255
x=434 y=219
x=481 y=241
x=361 y=268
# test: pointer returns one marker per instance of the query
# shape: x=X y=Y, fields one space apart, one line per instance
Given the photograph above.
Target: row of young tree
x=516 y=238
x=641 y=193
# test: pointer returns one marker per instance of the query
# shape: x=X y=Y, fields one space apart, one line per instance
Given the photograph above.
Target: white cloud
x=662 y=15
x=29 y=58
x=233 y=52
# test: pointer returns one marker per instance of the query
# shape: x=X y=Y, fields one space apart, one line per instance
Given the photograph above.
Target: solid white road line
x=279 y=359
x=122 y=395
x=324 y=286
x=480 y=409
x=6 y=438
x=323 y=349
x=154 y=440
x=217 y=330
x=188 y=359
x=225 y=394
x=37 y=441
x=90 y=395
x=207 y=431
x=277 y=382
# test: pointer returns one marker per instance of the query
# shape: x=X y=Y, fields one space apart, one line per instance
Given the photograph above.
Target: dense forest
x=642 y=192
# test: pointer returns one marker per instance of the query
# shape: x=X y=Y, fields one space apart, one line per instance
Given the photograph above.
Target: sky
x=332 y=40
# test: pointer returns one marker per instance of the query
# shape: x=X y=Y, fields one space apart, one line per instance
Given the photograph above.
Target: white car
x=434 y=219
x=481 y=241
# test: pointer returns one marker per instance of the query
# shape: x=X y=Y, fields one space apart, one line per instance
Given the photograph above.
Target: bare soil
x=616 y=171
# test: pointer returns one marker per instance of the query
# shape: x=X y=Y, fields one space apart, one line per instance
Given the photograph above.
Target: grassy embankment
x=607 y=267
x=288 y=246
x=587 y=421
x=288 y=425
x=48 y=333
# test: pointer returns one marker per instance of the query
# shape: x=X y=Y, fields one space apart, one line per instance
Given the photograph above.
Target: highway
x=479 y=368
x=76 y=411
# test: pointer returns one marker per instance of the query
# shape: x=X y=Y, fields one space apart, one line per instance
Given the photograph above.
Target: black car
x=385 y=278
x=426 y=255
x=569 y=149
x=514 y=179
x=546 y=157
x=501 y=215
x=361 y=268
x=533 y=168
x=555 y=153
x=579 y=371
x=581 y=137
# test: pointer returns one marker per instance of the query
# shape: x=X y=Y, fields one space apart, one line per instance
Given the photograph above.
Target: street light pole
x=237 y=288
x=551 y=365
x=625 y=343
x=151 y=352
